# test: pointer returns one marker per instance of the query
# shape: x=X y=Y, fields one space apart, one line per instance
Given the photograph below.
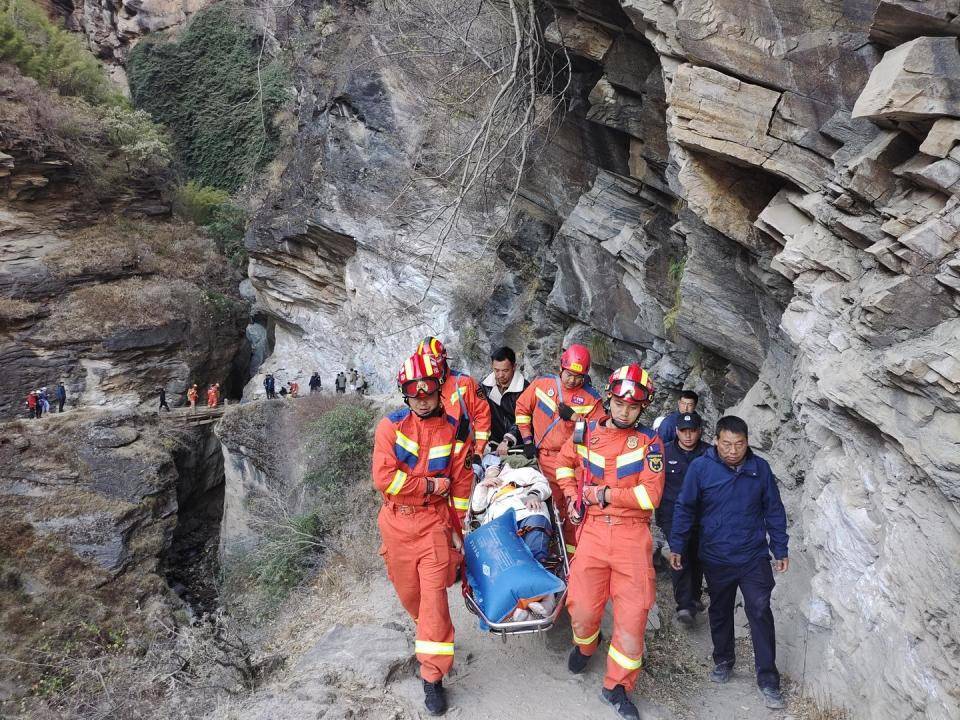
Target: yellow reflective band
x=425 y=647
x=523 y=419
x=460 y=503
x=407 y=444
x=455 y=396
x=644 y=377
x=481 y=435
x=583 y=409
x=586 y=641
x=623 y=661
x=440 y=451
x=545 y=399
x=457 y=448
x=595 y=458
x=571 y=549
x=399 y=478
x=565 y=472
x=642 y=497
x=631 y=457
x=622 y=372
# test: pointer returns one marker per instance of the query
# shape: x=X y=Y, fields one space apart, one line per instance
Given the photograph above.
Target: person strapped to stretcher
x=523 y=490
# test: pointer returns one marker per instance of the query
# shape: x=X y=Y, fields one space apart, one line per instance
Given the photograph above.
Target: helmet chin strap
x=436 y=412
x=622 y=426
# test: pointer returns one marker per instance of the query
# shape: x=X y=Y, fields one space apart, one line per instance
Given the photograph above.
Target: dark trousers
x=688 y=582
x=61 y=401
x=755 y=581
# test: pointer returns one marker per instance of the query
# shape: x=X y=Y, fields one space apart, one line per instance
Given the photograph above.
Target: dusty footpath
x=349 y=649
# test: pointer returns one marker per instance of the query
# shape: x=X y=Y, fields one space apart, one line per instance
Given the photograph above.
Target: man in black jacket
x=678 y=454
x=502 y=387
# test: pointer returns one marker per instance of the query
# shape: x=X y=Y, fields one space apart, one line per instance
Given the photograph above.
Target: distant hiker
x=45 y=399
x=340 y=383
x=192 y=395
x=294 y=388
x=269 y=384
x=666 y=425
x=361 y=384
x=503 y=386
x=163 y=399
x=688 y=582
x=61 y=395
x=32 y=404
x=352 y=378
x=315 y=383
x=730 y=497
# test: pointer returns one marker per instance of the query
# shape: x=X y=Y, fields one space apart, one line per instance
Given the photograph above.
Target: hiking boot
x=618 y=700
x=435 y=697
x=721 y=673
x=685 y=618
x=773 y=698
x=577 y=661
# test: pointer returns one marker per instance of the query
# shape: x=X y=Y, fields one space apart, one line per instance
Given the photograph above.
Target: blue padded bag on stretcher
x=501 y=570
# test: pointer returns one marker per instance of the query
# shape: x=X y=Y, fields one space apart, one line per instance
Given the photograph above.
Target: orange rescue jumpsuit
x=615 y=551
x=415 y=527
x=212 y=397
x=537 y=419
x=192 y=396
x=461 y=394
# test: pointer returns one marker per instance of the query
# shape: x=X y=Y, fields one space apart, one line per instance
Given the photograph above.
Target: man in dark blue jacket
x=731 y=496
x=687 y=582
x=667 y=426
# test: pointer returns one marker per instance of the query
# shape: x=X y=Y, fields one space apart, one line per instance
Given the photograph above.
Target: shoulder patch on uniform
x=655 y=462
x=591 y=390
x=481 y=393
x=398 y=415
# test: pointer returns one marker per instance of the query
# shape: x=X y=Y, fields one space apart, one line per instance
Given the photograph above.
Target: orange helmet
x=632 y=384
x=576 y=359
x=419 y=376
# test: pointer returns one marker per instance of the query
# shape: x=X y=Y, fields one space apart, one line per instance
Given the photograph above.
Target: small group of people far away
x=608 y=475
x=42 y=401
x=193 y=396
x=352 y=379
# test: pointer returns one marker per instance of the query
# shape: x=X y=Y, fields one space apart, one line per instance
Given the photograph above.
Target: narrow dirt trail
x=527 y=677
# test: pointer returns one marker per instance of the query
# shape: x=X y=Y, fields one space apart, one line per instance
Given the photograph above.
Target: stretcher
x=557 y=562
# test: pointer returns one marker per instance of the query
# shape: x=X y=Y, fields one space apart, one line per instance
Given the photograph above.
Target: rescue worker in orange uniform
x=192 y=395
x=612 y=471
x=465 y=400
x=212 y=396
x=415 y=469
x=546 y=412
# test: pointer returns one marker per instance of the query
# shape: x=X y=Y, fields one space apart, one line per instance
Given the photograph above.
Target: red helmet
x=632 y=384
x=432 y=346
x=576 y=359
x=419 y=376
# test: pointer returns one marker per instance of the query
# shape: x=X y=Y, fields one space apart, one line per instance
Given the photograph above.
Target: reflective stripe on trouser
x=613 y=561
x=548 y=461
x=421 y=565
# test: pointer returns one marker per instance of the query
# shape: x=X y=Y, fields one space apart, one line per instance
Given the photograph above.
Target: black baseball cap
x=690 y=421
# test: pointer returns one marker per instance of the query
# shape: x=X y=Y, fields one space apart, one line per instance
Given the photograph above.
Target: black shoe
x=618 y=700
x=773 y=698
x=721 y=673
x=577 y=661
x=685 y=618
x=435 y=697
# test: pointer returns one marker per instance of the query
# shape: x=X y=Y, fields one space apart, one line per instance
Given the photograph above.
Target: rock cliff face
x=756 y=199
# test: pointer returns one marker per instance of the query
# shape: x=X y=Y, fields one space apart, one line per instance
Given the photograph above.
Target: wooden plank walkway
x=201 y=415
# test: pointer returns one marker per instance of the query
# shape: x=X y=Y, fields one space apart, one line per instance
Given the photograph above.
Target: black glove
x=529 y=450
x=566 y=412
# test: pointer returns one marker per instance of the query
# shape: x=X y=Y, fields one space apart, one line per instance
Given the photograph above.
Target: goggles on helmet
x=420 y=387
x=629 y=391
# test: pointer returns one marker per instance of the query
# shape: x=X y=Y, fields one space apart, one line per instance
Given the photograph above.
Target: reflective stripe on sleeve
x=460 y=503
x=622 y=660
x=565 y=472
x=399 y=478
x=640 y=492
x=425 y=647
x=523 y=419
x=481 y=435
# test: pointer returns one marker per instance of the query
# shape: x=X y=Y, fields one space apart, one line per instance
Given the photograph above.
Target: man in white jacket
x=524 y=490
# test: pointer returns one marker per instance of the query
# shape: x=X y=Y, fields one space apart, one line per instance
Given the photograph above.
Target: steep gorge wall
x=816 y=226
